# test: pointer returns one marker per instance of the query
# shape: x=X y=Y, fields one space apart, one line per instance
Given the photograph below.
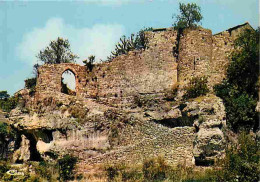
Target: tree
x=4 y=95
x=89 y=62
x=189 y=16
x=134 y=42
x=239 y=89
x=57 y=52
x=243 y=70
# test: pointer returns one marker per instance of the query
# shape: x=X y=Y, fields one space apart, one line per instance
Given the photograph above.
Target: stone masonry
x=149 y=71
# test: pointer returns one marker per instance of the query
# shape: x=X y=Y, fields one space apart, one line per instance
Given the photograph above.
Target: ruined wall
x=142 y=71
x=222 y=47
x=49 y=77
x=195 y=53
x=204 y=54
x=235 y=31
x=150 y=71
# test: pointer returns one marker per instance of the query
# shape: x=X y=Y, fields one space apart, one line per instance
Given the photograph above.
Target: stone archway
x=50 y=77
x=68 y=82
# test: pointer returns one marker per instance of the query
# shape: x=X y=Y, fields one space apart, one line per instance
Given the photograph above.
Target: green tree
x=189 y=16
x=66 y=167
x=243 y=70
x=4 y=95
x=57 y=52
x=134 y=42
x=242 y=160
x=89 y=63
x=239 y=89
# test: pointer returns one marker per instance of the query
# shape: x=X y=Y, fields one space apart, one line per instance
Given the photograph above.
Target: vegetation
x=5 y=130
x=30 y=84
x=4 y=95
x=66 y=167
x=155 y=170
x=89 y=63
x=242 y=160
x=7 y=103
x=189 y=16
x=44 y=171
x=138 y=42
x=4 y=167
x=57 y=52
x=239 y=89
x=196 y=87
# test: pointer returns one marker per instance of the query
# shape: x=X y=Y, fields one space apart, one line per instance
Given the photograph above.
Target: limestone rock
x=209 y=141
x=208 y=145
x=23 y=153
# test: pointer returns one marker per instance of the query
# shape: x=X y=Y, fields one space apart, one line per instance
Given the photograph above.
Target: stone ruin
x=154 y=70
x=111 y=87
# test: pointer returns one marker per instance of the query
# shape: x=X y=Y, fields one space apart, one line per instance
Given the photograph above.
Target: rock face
x=23 y=153
x=209 y=143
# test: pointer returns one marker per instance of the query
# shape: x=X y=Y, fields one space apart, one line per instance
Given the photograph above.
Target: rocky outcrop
x=23 y=153
x=209 y=143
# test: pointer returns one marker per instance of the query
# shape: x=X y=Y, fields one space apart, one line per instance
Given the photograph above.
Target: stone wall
x=195 y=54
x=144 y=71
x=50 y=75
x=150 y=71
x=222 y=46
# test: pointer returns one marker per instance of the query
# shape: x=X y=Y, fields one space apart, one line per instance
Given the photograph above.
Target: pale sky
x=94 y=27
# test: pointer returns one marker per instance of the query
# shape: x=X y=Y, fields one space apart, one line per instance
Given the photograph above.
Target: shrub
x=4 y=95
x=138 y=41
x=79 y=112
x=44 y=170
x=242 y=160
x=8 y=104
x=196 y=87
x=155 y=169
x=121 y=172
x=112 y=172
x=5 y=130
x=89 y=63
x=66 y=167
x=30 y=83
x=4 y=167
x=239 y=90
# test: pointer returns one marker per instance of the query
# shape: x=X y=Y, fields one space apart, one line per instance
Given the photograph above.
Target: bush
x=121 y=172
x=5 y=130
x=138 y=41
x=4 y=95
x=242 y=160
x=155 y=169
x=44 y=170
x=196 y=87
x=239 y=90
x=66 y=167
x=30 y=83
x=8 y=104
x=4 y=167
x=89 y=63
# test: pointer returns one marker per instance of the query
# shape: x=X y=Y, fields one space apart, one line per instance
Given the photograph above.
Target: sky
x=93 y=27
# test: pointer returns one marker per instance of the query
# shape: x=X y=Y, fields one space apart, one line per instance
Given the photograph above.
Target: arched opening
x=68 y=83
